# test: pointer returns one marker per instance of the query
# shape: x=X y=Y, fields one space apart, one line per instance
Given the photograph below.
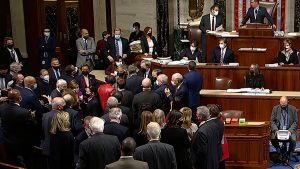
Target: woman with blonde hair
x=159 y=117
x=61 y=142
x=140 y=135
x=190 y=127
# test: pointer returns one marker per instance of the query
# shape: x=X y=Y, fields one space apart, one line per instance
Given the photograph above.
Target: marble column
x=99 y=18
x=18 y=26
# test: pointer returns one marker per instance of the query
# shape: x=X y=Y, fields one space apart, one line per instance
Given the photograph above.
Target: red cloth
x=101 y=46
x=105 y=91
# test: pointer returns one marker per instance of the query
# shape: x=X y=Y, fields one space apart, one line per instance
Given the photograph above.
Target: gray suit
x=277 y=123
x=127 y=163
x=90 y=48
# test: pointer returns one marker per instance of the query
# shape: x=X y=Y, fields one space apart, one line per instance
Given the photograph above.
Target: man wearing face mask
x=149 y=43
x=70 y=73
x=86 y=47
x=47 y=45
x=255 y=79
x=61 y=85
x=116 y=45
x=284 y=117
x=222 y=54
x=210 y=22
x=288 y=55
x=192 y=53
x=85 y=79
x=55 y=72
x=136 y=33
x=44 y=86
x=9 y=53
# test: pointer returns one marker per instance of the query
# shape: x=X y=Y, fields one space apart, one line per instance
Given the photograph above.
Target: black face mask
x=283 y=107
x=85 y=73
x=180 y=122
x=86 y=37
x=120 y=74
x=55 y=67
x=10 y=46
x=251 y=72
x=149 y=34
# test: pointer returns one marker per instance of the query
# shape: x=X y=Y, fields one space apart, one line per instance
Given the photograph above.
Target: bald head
x=84 y=33
x=177 y=78
x=14 y=96
x=283 y=101
x=29 y=81
x=58 y=103
x=153 y=130
x=146 y=83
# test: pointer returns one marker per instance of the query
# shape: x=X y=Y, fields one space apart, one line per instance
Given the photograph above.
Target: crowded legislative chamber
x=158 y=84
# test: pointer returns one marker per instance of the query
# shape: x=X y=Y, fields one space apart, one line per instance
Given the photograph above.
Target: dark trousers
x=292 y=144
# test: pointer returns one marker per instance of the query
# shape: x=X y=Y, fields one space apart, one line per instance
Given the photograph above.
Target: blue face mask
x=133 y=29
x=34 y=86
x=117 y=37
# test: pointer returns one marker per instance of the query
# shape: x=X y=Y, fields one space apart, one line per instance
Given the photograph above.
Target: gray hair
x=112 y=102
x=115 y=113
x=58 y=101
x=178 y=77
x=203 y=111
x=96 y=125
x=16 y=67
x=153 y=130
x=146 y=62
x=163 y=78
x=61 y=82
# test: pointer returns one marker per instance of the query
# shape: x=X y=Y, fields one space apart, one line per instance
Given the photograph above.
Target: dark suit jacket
x=8 y=78
x=52 y=77
x=17 y=125
x=127 y=163
x=78 y=139
x=76 y=124
x=134 y=84
x=179 y=139
x=46 y=126
x=158 y=155
x=111 y=47
x=93 y=107
x=206 y=25
x=44 y=88
x=228 y=56
x=194 y=83
x=276 y=122
x=293 y=57
x=6 y=56
x=81 y=82
x=127 y=98
x=98 y=151
x=133 y=36
x=255 y=81
x=55 y=93
x=192 y=56
x=180 y=97
x=124 y=119
x=145 y=45
x=262 y=13
x=48 y=47
x=67 y=78
x=166 y=105
x=113 y=128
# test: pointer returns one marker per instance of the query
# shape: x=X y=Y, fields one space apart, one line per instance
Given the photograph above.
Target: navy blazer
x=194 y=83
x=206 y=25
x=48 y=47
x=228 y=56
x=192 y=56
x=261 y=15
x=111 y=47
x=180 y=97
x=30 y=101
x=166 y=106
x=145 y=45
x=293 y=57
x=81 y=82
x=6 y=56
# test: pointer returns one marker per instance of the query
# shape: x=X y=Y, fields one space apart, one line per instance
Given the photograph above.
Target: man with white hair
x=162 y=83
x=99 y=150
x=158 y=155
x=180 y=92
x=113 y=127
x=61 y=85
x=202 y=114
x=15 y=68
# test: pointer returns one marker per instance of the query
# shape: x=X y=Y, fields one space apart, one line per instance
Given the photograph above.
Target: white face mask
x=34 y=86
x=222 y=46
x=287 y=47
x=117 y=37
x=216 y=13
x=118 y=63
x=193 y=48
x=47 y=77
x=173 y=83
x=47 y=33
x=133 y=29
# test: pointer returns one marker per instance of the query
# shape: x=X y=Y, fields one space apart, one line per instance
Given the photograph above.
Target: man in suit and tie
x=9 y=53
x=155 y=153
x=47 y=45
x=145 y=70
x=257 y=13
x=210 y=22
x=162 y=83
x=85 y=79
x=61 y=85
x=126 y=160
x=5 y=77
x=284 y=117
x=86 y=47
x=222 y=54
x=194 y=83
x=133 y=82
x=55 y=72
x=116 y=46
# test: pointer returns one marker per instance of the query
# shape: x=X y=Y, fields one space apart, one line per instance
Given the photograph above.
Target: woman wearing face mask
x=288 y=55
x=136 y=33
x=177 y=136
x=255 y=79
x=192 y=53
x=149 y=43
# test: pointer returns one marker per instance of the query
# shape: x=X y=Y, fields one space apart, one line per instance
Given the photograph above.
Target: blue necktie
x=117 y=48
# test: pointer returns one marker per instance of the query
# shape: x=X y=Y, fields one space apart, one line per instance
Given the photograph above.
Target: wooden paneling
x=5 y=21
x=86 y=16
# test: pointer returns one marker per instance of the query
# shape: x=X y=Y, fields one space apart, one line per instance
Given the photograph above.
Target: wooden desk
x=279 y=78
x=255 y=108
x=272 y=44
x=248 y=145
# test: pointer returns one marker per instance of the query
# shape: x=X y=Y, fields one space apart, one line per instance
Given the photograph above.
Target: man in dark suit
x=222 y=54
x=192 y=53
x=99 y=150
x=113 y=127
x=257 y=13
x=194 y=83
x=210 y=22
x=146 y=97
x=126 y=160
x=18 y=129
x=47 y=45
x=162 y=81
x=156 y=154
x=10 y=54
x=284 y=117
x=44 y=86
x=85 y=80
x=206 y=149
x=116 y=46
x=61 y=85
x=92 y=103
x=127 y=95
x=145 y=70
x=133 y=82
x=179 y=91
x=55 y=72
x=70 y=73
x=5 y=77
x=125 y=110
